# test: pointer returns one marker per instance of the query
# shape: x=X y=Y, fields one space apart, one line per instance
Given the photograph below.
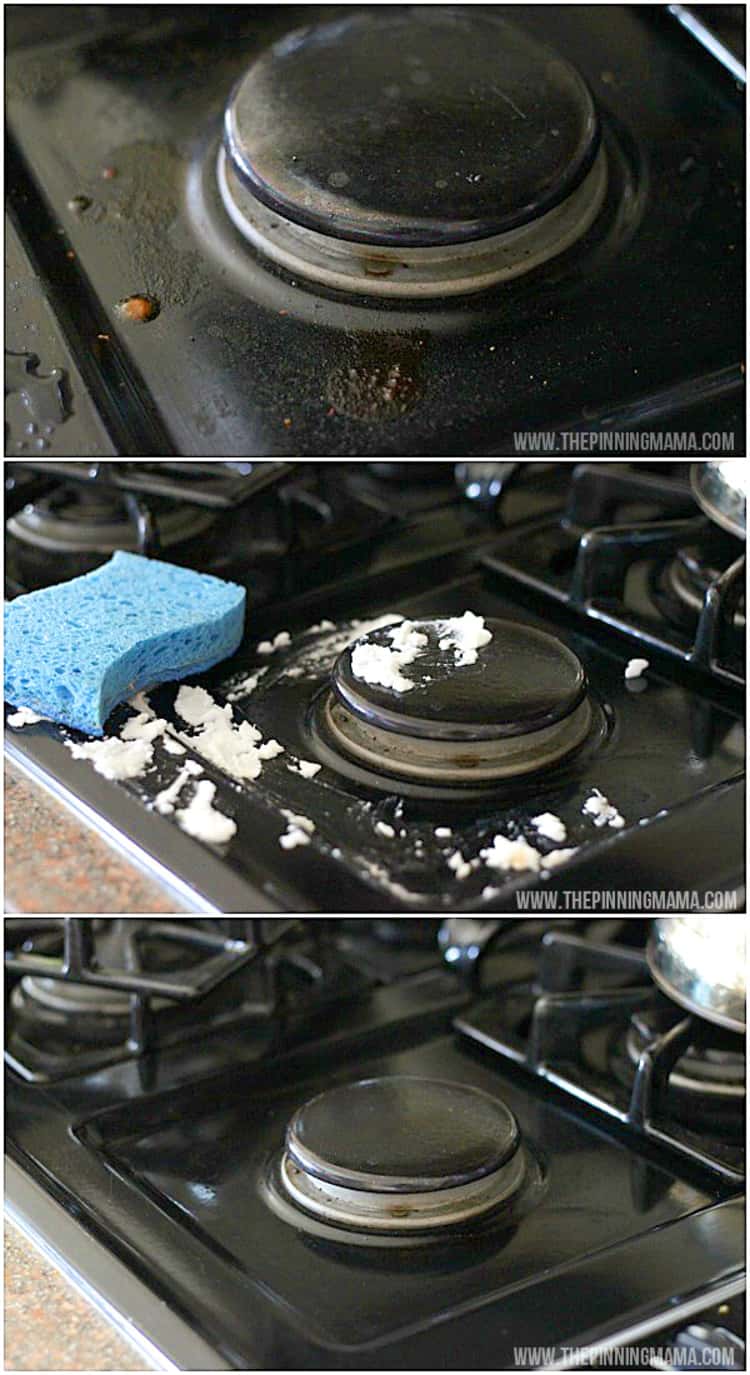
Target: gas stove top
x=433 y=797
x=283 y=233
x=352 y=1150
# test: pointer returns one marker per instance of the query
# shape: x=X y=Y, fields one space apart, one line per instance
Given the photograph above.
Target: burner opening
x=83 y=524
x=706 y=1087
x=683 y=582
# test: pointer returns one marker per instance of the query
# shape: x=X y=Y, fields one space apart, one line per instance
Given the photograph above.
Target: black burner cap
x=402 y=1134
x=411 y=127
x=523 y=681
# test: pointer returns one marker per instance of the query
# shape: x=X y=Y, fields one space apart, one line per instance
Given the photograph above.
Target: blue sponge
x=73 y=651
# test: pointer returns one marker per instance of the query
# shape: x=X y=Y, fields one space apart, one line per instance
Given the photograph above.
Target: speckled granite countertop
x=53 y=863
x=48 y=1324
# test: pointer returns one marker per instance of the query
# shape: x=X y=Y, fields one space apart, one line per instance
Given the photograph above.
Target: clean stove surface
x=115 y=120
x=170 y=1160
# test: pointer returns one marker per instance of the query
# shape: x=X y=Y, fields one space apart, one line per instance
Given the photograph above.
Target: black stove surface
x=169 y=1158
x=667 y=751
x=115 y=120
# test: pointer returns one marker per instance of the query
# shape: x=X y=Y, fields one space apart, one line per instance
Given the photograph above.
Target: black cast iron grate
x=194 y=973
x=566 y=1027
x=616 y=518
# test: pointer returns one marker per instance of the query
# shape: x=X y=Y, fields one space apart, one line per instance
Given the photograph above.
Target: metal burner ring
x=403 y=1212
x=456 y=762
x=450 y=270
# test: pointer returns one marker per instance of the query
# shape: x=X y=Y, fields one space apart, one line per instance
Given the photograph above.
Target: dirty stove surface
x=115 y=120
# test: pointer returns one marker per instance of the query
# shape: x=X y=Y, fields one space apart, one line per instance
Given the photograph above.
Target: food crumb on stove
x=635 y=668
x=550 y=826
x=298 y=830
x=511 y=854
x=384 y=829
x=443 y=832
x=139 y=308
x=602 y=811
x=488 y=892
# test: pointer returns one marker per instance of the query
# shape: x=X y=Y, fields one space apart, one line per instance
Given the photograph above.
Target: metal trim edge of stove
x=136 y=1313
x=701 y=1300
x=223 y=885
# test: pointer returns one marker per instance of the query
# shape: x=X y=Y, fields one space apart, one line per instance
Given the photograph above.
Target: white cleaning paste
x=601 y=810
x=305 y=767
x=549 y=826
x=635 y=667
x=511 y=854
x=381 y=666
x=298 y=830
x=145 y=726
x=557 y=857
x=460 y=866
x=384 y=829
x=24 y=716
x=201 y=820
x=115 y=758
x=135 y=729
x=126 y=755
x=245 y=686
x=280 y=641
x=237 y=749
x=465 y=635
x=443 y=832
x=165 y=800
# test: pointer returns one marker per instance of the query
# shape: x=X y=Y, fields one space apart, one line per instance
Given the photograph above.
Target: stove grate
x=564 y=1026
x=587 y=558
x=161 y=978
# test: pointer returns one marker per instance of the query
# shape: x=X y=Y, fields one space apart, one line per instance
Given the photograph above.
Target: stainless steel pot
x=718 y=489
x=700 y=962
